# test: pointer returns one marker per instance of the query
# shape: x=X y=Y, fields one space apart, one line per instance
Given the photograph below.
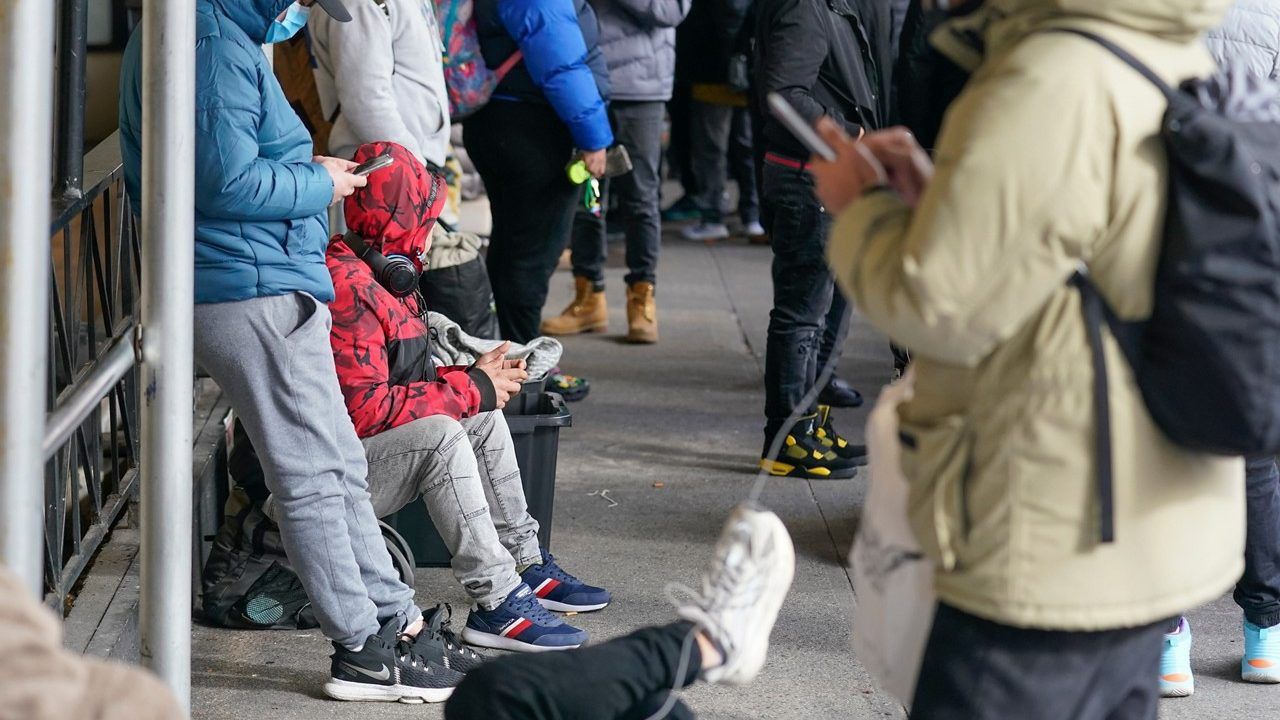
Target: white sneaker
x=704 y=232
x=754 y=229
x=742 y=592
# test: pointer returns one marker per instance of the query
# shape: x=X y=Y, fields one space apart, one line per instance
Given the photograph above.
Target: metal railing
x=91 y=434
x=81 y=369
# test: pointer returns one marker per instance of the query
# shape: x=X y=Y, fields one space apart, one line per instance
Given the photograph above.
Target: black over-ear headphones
x=396 y=273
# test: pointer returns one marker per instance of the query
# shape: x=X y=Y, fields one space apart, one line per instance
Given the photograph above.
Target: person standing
x=1248 y=40
x=381 y=78
x=827 y=60
x=262 y=332
x=638 y=41
x=551 y=105
x=720 y=139
x=1041 y=612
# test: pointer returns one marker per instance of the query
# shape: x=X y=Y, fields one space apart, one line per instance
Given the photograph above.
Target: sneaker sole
x=497 y=642
x=348 y=691
x=1261 y=677
x=554 y=606
x=1177 y=691
x=781 y=469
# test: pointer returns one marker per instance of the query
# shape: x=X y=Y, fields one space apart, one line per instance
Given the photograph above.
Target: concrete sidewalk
x=673 y=432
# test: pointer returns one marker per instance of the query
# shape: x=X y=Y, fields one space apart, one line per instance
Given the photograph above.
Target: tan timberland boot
x=587 y=313
x=642 y=314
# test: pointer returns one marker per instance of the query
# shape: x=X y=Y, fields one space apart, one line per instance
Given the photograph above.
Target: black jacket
x=827 y=57
x=926 y=81
x=707 y=39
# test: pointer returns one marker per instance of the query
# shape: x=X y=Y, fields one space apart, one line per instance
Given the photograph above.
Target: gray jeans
x=721 y=139
x=272 y=358
x=638 y=126
x=466 y=473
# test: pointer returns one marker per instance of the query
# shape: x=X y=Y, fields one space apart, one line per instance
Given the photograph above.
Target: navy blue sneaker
x=522 y=625
x=559 y=591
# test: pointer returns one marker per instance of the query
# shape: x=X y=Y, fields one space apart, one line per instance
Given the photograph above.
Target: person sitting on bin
x=438 y=433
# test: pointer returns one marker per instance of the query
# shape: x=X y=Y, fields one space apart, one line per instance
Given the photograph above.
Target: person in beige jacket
x=1050 y=159
x=44 y=682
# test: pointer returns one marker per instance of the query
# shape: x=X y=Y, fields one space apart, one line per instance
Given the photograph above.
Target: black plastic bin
x=529 y=401
x=536 y=436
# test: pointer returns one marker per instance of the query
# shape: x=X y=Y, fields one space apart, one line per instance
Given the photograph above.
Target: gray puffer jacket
x=1250 y=37
x=638 y=39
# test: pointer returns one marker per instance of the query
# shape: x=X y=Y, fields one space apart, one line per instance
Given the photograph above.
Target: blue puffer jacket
x=261 y=223
x=562 y=62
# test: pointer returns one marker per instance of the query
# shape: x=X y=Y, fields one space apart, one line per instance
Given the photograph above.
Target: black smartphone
x=617 y=161
x=802 y=131
x=369 y=166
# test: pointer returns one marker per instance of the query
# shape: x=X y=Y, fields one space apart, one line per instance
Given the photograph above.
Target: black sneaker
x=828 y=436
x=387 y=669
x=804 y=455
x=841 y=394
x=438 y=643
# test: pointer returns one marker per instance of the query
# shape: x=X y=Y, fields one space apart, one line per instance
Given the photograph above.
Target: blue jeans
x=1258 y=592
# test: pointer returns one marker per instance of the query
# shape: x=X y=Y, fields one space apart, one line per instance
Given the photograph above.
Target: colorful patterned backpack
x=469 y=81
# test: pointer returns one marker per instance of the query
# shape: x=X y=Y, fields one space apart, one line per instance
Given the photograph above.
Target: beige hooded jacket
x=1050 y=158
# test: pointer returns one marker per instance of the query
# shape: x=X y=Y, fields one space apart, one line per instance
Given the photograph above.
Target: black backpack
x=1208 y=360
x=247 y=581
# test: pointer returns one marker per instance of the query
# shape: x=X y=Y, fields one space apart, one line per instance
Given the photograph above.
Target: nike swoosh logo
x=382 y=675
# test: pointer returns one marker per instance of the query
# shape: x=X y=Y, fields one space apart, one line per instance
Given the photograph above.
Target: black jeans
x=624 y=679
x=837 y=318
x=802 y=292
x=520 y=150
x=721 y=142
x=974 y=669
x=638 y=127
x=1258 y=592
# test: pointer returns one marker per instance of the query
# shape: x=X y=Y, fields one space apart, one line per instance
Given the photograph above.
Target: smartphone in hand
x=372 y=165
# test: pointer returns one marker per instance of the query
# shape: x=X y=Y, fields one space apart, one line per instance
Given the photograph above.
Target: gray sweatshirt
x=384 y=69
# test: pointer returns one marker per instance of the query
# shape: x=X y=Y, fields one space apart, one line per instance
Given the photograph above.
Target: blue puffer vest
x=261 y=223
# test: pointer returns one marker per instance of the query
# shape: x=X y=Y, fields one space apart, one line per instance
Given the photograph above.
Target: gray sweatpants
x=272 y=358
x=466 y=473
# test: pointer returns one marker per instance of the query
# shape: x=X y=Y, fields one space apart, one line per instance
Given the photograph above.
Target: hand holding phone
x=345 y=182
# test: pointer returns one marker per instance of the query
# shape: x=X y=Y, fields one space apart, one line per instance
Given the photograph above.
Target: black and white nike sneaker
x=388 y=669
x=438 y=642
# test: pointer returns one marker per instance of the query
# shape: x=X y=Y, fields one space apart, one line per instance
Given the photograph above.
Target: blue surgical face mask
x=295 y=18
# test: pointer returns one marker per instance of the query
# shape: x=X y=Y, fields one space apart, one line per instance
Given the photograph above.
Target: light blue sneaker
x=1261 y=662
x=1175 y=663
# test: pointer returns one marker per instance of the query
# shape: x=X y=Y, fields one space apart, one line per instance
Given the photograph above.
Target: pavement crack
x=733 y=308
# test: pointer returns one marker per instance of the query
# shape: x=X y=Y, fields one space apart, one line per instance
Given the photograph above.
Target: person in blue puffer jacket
x=551 y=104
x=262 y=332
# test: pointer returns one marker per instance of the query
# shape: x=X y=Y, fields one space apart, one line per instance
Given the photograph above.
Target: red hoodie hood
x=397 y=210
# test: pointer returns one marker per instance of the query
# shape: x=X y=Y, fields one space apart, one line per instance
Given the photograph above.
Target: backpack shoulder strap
x=1095 y=316
x=1125 y=56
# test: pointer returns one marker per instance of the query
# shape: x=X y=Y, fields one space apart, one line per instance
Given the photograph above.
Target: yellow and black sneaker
x=803 y=455
x=827 y=435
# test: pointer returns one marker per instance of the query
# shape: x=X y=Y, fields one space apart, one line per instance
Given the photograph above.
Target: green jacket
x=1049 y=159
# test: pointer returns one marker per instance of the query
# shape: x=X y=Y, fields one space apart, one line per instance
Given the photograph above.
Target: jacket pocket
x=305 y=239
x=936 y=459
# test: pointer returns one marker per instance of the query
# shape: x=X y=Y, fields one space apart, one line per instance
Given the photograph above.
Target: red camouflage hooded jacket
x=381 y=343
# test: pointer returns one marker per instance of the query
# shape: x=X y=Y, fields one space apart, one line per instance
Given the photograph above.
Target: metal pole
x=26 y=143
x=168 y=267
x=72 y=36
